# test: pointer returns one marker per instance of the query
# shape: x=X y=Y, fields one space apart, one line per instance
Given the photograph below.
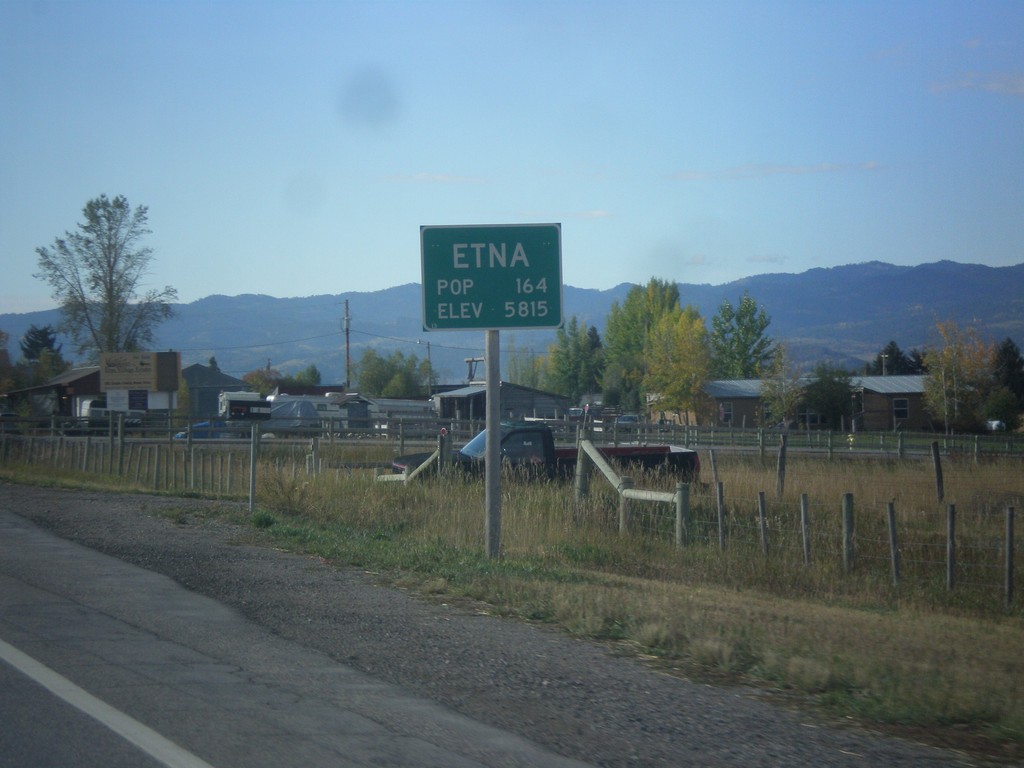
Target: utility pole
x=348 y=360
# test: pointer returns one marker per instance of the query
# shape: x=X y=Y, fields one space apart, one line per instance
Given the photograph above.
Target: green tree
x=625 y=338
x=574 y=361
x=893 y=361
x=96 y=274
x=397 y=375
x=1008 y=370
x=41 y=357
x=959 y=377
x=308 y=377
x=1001 y=405
x=37 y=339
x=678 y=364
x=740 y=349
x=7 y=373
x=782 y=388
x=524 y=367
x=829 y=393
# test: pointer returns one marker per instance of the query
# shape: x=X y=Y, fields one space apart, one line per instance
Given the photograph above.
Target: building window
x=725 y=412
x=901 y=409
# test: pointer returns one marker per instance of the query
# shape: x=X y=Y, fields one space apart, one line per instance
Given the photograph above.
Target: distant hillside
x=843 y=314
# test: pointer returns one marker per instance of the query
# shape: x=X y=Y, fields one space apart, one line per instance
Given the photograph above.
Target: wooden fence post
x=950 y=546
x=780 y=472
x=582 y=479
x=805 y=528
x=254 y=442
x=894 y=549
x=1009 y=556
x=721 y=515
x=625 y=483
x=682 y=514
x=120 y=445
x=848 y=530
x=762 y=519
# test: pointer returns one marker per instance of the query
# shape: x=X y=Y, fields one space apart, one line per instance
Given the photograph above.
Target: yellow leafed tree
x=678 y=362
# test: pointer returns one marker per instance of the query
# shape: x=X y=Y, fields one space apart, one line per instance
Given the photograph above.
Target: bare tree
x=95 y=274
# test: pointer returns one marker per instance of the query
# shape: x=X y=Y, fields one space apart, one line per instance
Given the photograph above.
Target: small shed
x=517 y=402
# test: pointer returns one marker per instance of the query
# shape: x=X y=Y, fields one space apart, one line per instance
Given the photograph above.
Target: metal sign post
x=492 y=449
x=491 y=277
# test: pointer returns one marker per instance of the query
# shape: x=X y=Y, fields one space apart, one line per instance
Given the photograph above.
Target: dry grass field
x=938 y=650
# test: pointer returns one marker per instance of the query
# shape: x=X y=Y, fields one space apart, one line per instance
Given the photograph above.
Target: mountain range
x=843 y=314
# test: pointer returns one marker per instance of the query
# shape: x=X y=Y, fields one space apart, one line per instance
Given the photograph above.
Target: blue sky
x=295 y=148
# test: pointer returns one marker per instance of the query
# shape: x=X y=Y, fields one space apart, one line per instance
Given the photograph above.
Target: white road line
x=146 y=739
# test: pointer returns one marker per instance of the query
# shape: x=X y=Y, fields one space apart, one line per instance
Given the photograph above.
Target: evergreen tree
x=1008 y=369
x=574 y=361
x=36 y=340
x=892 y=361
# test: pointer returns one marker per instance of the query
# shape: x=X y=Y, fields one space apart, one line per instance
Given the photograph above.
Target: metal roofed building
x=517 y=402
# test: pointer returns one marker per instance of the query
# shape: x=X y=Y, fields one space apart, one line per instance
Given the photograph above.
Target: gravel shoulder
x=573 y=697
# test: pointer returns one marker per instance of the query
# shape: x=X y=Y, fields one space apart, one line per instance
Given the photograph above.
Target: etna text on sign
x=492 y=277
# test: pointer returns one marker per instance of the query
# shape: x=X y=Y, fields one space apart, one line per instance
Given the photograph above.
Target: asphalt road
x=107 y=664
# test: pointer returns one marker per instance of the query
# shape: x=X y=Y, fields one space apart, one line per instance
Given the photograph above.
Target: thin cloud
x=1006 y=83
x=766 y=170
x=772 y=258
x=435 y=178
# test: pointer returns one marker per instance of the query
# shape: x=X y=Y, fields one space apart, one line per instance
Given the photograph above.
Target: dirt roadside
x=573 y=697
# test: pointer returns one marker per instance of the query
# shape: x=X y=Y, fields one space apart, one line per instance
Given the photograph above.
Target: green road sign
x=492 y=277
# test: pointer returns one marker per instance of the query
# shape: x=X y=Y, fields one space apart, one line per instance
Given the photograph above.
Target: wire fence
x=893 y=531
x=873 y=521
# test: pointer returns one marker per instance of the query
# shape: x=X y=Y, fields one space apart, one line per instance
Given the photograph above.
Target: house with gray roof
x=880 y=403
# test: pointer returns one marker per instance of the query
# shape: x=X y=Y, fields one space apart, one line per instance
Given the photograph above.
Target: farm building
x=517 y=402
x=879 y=403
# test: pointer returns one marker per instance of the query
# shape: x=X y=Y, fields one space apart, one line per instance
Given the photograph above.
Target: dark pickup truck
x=532 y=446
